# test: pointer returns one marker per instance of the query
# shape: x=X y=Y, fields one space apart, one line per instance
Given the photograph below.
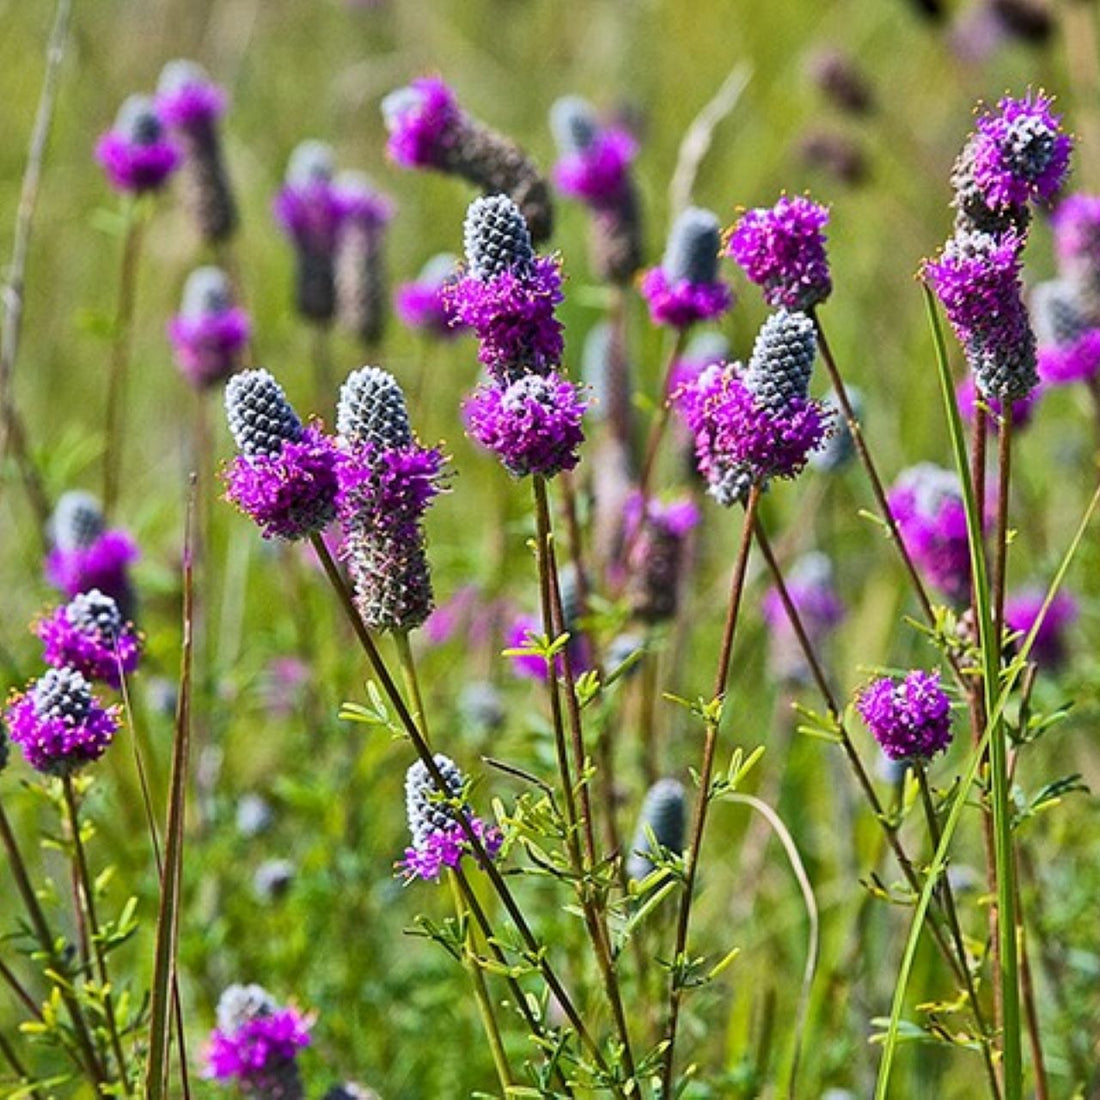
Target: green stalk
x=412 y=681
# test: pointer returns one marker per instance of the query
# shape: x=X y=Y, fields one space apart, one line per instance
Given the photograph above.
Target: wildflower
x=135 y=153
x=595 y=168
x=308 y=209
x=438 y=839
x=685 y=288
x=1076 y=224
x=421 y=303
x=533 y=425
x=977 y=279
x=285 y=476
x=90 y=635
x=910 y=720
x=86 y=554
x=657 y=554
x=927 y=504
x=508 y=294
x=1069 y=341
x=209 y=332
x=809 y=585
x=428 y=129
x=360 y=270
x=782 y=250
x=663 y=816
x=191 y=105
x=256 y=1044
x=1021 y=613
x=59 y=724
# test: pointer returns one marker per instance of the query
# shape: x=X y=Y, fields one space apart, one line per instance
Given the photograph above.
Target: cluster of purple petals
x=207 y=345
x=532 y=425
x=290 y=494
x=910 y=720
x=512 y=315
x=681 y=303
x=597 y=174
x=677 y=517
x=384 y=489
x=1022 y=410
x=1021 y=612
x=422 y=120
x=257 y=1046
x=192 y=104
x=1077 y=361
x=739 y=442
x=1076 y=225
x=927 y=503
x=361 y=204
x=310 y=214
x=445 y=848
x=782 y=250
x=133 y=166
x=99 y=655
x=809 y=585
x=54 y=742
x=1019 y=152
x=103 y=564
x=420 y=305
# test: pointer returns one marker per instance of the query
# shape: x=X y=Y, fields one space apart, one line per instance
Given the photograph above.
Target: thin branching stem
x=702 y=802
x=17 y=1067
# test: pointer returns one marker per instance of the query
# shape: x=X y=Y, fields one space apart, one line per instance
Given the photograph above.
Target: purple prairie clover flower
x=90 y=635
x=285 y=476
x=362 y=291
x=450 y=616
x=210 y=332
x=782 y=249
x=1021 y=612
x=508 y=294
x=438 y=839
x=927 y=503
x=1069 y=340
x=191 y=106
x=809 y=584
x=782 y=360
x=910 y=720
x=420 y=304
x=977 y=279
x=86 y=554
x=309 y=211
x=966 y=393
x=1076 y=224
x=135 y=153
x=664 y=816
x=256 y=1044
x=59 y=724
x=428 y=129
x=685 y=288
x=533 y=425
x=656 y=560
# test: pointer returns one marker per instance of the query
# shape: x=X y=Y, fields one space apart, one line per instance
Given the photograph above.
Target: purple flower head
x=910 y=720
x=90 y=635
x=420 y=304
x=594 y=160
x=358 y=200
x=966 y=392
x=438 y=839
x=285 y=476
x=1020 y=152
x=1069 y=342
x=59 y=723
x=423 y=120
x=782 y=360
x=1021 y=612
x=209 y=332
x=655 y=567
x=256 y=1043
x=533 y=425
x=809 y=584
x=1076 y=224
x=685 y=288
x=308 y=208
x=136 y=154
x=927 y=504
x=186 y=96
x=508 y=294
x=977 y=279
x=86 y=555
x=782 y=250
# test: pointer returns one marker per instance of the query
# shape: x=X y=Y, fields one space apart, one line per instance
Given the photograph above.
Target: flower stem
x=660 y=421
x=88 y=892
x=691 y=859
x=412 y=681
x=120 y=355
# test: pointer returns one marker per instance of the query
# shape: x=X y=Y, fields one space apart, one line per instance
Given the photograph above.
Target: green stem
x=8 y=1051
x=691 y=858
x=88 y=892
x=120 y=356
x=412 y=681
